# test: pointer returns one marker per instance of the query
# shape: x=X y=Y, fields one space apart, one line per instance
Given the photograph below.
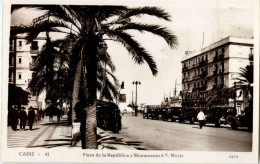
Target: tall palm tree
x=90 y=25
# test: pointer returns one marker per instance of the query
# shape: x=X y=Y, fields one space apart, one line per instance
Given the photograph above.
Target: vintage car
x=163 y=114
x=242 y=120
x=147 y=113
x=108 y=116
x=220 y=115
x=190 y=114
x=175 y=113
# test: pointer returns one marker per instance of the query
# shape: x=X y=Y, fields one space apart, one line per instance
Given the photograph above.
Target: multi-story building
x=22 y=62
x=214 y=67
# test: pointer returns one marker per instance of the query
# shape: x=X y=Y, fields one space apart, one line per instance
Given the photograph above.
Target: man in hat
x=14 y=117
x=23 y=118
x=31 y=117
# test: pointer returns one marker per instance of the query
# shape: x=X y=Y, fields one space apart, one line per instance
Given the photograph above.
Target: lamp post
x=136 y=83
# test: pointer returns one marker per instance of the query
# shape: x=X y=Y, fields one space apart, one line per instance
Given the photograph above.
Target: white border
x=71 y=155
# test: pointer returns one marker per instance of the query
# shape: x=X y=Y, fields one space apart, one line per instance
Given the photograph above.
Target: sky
x=190 y=22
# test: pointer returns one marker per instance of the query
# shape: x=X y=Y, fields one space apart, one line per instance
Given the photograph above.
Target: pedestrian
x=201 y=118
x=14 y=117
x=31 y=117
x=23 y=118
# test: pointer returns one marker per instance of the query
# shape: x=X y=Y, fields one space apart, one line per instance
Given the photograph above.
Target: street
x=162 y=135
x=137 y=133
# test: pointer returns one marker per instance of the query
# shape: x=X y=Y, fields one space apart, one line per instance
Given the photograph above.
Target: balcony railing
x=196 y=77
x=32 y=65
x=34 y=50
x=215 y=59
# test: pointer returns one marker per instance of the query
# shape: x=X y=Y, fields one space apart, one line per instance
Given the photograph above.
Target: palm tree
x=90 y=25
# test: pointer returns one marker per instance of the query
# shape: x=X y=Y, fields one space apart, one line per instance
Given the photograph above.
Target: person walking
x=14 y=117
x=23 y=118
x=31 y=117
x=201 y=118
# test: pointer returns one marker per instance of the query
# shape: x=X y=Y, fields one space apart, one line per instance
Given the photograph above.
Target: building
x=213 y=68
x=22 y=62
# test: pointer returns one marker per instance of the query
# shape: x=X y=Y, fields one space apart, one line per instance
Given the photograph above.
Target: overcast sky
x=216 y=19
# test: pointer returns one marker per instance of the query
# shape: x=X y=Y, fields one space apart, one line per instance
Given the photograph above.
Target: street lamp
x=136 y=83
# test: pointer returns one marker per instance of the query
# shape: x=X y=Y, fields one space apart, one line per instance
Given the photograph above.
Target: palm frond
x=163 y=32
x=139 y=54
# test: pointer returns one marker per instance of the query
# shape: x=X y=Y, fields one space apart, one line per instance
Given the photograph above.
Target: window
x=20 y=43
x=216 y=53
x=223 y=50
x=20 y=75
x=188 y=86
x=34 y=45
x=20 y=60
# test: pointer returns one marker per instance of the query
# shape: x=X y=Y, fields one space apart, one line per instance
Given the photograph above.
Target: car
x=108 y=116
x=243 y=120
x=190 y=114
x=220 y=115
x=176 y=113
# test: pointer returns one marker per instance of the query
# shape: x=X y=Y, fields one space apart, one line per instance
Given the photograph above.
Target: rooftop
x=229 y=39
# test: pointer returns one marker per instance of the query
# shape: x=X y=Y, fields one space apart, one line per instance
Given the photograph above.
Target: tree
x=90 y=25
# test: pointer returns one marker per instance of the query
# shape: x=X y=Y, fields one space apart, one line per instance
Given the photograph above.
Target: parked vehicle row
x=216 y=115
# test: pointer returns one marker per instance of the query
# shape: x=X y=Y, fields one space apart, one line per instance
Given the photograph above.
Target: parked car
x=190 y=114
x=108 y=116
x=163 y=114
x=175 y=113
x=243 y=120
x=220 y=115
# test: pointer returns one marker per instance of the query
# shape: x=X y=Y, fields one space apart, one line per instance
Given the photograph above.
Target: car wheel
x=229 y=118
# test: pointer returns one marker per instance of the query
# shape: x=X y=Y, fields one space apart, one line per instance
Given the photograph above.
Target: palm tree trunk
x=76 y=87
x=90 y=83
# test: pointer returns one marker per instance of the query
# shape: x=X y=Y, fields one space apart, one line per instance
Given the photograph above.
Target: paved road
x=162 y=135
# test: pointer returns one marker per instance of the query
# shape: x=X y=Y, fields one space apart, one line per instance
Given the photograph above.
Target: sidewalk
x=55 y=134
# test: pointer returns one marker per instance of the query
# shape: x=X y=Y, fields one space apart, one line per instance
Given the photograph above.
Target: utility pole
x=136 y=83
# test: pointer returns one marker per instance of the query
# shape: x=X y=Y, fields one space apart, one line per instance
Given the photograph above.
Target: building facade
x=213 y=68
x=22 y=62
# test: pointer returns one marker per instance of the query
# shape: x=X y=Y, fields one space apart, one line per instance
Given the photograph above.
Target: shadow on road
x=115 y=143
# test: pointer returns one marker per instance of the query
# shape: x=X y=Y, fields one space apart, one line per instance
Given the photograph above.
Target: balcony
x=32 y=65
x=204 y=74
x=215 y=86
x=221 y=57
x=196 y=77
x=11 y=47
x=34 y=50
x=194 y=89
x=202 y=88
x=203 y=63
x=215 y=72
x=215 y=59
